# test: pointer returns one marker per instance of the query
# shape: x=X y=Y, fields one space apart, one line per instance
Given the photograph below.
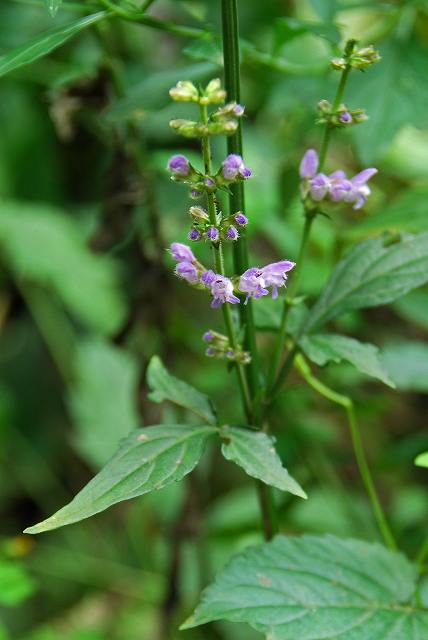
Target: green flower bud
x=213 y=93
x=199 y=214
x=223 y=127
x=188 y=128
x=184 y=91
x=339 y=64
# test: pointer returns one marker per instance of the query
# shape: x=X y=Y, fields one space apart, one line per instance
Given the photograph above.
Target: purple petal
x=309 y=164
x=364 y=176
x=337 y=175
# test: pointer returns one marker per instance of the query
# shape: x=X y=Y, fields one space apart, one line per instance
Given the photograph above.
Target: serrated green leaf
x=40 y=244
x=103 y=418
x=322 y=348
x=45 y=43
x=255 y=452
x=148 y=459
x=407 y=364
x=409 y=212
x=15 y=584
x=165 y=386
x=371 y=274
x=422 y=460
x=317 y=588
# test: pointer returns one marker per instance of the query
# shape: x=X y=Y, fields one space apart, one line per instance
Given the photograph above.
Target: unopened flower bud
x=194 y=235
x=324 y=106
x=184 y=91
x=232 y=233
x=345 y=117
x=213 y=93
x=179 y=165
x=362 y=58
x=198 y=213
x=208 y=336
x=195 y=194
x=212 y=234
x=241 y=219
x=222 y=127
x=187 y=128
x=338 y=63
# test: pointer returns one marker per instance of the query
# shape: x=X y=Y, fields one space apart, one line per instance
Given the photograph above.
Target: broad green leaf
x=40 y=244
x=399 y=80
x=53 y=6
x=148 y=459
x=373 y=273
x=414 y=307
x=317 y=588
x=46 y=42
x=165 y=386
x=331 y=347
x=255 y=452
x=407 y=364
x=15 y=584
x=409 y=212
x=422 y=460
x=286 y=29
x=103 y=418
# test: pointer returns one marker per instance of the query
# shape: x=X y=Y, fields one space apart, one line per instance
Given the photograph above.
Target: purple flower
x=362 y=191
x=194 y=234
x=187 y=271
x=179 y=166
x=195 y=194
x=232 y=233
x=345 y=117
x=342 y=190
x=210 y=352
x=233 y=167
x=241 y=219
x=354 y=191
x=222 y=291
x=274 y=275
x=309 y=164
x=208 y=277
x=212 y=234
x=319 y=186
x=238 y=110
x=209 y=182
x=181 y=252
x=208 y=336
x=252 y=283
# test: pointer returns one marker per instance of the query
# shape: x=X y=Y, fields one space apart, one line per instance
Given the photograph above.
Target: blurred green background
x=87 y=296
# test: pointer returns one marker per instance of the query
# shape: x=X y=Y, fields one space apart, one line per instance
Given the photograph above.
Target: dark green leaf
x=42 y=245
x=148 y=459
x=317 y=588
x=331 y=347
x=45 y=43
x=15 y=585
x=103 y=418
x=409 y=212
x=165 y=386
x=371 y=274
x=407 y=364
x=255 y=452
x=393 y=92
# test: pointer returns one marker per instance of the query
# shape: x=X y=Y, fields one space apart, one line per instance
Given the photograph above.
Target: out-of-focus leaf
x=409 y=212
x=40 y=244
x=148 y=459
x=152 y=92
x=422 y=460
x=373 y=273
x=414 y=307
x=407 y=364
x=46 y=42
x=165 y=386
x=332 y=347
x=103 y=399
x=15 y=584
x=326 y=9
x=287 y=29
x=397 y=80
x=317 y=588
x=255 y=452
x=53 y=6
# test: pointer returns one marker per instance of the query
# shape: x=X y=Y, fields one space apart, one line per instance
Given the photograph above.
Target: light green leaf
x=148 y=459
x=255 y=452
x=317 y=588
x=53 y=6
x=409 y=212
x=15 y=584
x=165 y=386
x=286 y=29
x=45 y=43
x=331 y=347
x=407 y=364
x=414 y=307
x=371 y=274
x=40 y=244
x=103 y=417
x=422 y=460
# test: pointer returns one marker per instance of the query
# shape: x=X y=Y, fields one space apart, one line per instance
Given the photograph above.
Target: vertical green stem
x=230 y=26
x=357 y=444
